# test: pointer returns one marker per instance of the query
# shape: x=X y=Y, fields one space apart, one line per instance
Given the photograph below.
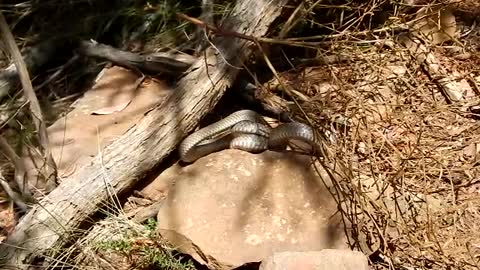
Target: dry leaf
x=68 y=171
x=112 y=109
x=7 y=219
x=187 y=246
x=435 y=24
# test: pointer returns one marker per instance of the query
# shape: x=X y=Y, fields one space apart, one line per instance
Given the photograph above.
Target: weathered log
x=153 y=63
x=175 y=64
x=51 y=224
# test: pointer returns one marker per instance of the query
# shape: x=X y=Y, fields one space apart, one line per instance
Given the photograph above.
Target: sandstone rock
x=326 y=259
x=240 y=207
x=111 y=107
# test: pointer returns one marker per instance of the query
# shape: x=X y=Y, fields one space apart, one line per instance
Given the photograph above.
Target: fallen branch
x=20 y=170
x=175 y=64
x=124 y=162
x=155 y=63
x=14 y=196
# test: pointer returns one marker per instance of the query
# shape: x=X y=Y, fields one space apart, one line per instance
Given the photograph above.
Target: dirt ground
x=413 y=154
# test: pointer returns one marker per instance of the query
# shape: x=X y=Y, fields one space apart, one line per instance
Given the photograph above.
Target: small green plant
x=146 y=253
x=151 y=224
x=117 y=245
x=163 y=259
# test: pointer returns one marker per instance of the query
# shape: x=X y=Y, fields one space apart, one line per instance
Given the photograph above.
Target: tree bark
x=52 y=223
x=175 y=64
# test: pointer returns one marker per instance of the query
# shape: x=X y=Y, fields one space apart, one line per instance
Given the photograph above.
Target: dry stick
x=9 y=153
x=292 y=21
x=219 y=31
x=59 y=72
x=207 y=15
x=5 y=119
x=255 y=40
x=432 y=68
x=16 y=198
x=50 y=168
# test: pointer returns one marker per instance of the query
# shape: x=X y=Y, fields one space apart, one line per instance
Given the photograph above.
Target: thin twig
x=59 y=72
x=20 y=170
x=219 y=31
x=293 y=20
x=50 y=168
x=16 y=198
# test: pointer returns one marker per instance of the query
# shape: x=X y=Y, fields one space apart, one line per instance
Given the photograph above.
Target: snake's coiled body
x=245 y=130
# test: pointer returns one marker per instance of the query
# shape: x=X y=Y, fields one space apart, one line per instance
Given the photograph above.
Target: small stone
x=316 y=260
x=362 y=148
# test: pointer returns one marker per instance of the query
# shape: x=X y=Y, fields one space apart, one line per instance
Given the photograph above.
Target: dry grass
x=412 y=191
x=412 y=187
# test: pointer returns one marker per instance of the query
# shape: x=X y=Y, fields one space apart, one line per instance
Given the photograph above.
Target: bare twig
x=20 y=170
x=168 y=63
x=223 y=32
x=16 y=198
x=207 y=16
x=293 y=20
x=59 y=72
x=8 y=111
x=50 y=168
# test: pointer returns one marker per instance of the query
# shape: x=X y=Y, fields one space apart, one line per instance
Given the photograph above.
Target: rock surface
x=112 y=106
x=240 y=207
x=326 y=259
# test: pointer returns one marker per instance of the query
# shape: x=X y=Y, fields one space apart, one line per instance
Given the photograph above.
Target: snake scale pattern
x=244 y=130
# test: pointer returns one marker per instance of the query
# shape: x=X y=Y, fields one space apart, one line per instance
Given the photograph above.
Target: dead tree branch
x=20 y=170
x=155 y=63
x=14 y=196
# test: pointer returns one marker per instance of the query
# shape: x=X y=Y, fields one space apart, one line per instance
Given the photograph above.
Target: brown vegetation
x=392 y=88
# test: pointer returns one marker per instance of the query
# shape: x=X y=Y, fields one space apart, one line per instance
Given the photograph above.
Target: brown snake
x=245 y=130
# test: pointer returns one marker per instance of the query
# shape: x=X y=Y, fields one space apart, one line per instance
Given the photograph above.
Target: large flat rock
x=240 y=207
x=111 y=107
